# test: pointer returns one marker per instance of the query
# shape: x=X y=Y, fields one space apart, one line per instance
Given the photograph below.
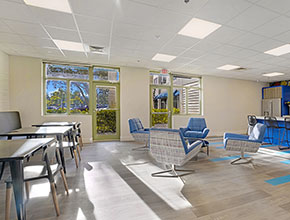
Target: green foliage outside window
x=106 y=121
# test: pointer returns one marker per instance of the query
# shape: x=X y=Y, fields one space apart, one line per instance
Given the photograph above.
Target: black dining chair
x=79 y=135
x=272 y=123
x=47 y=169
x=287 y=128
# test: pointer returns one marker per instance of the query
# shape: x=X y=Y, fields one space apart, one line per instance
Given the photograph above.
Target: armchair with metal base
x=245 y=143
x=46 y=170
x=139 y=133
x=168 y=146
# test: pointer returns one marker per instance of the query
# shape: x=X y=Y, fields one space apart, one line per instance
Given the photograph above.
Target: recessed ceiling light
x=228 y=67
x=279 y=50
x=57 y=5
x=273 y=74
x=198 y=28
x=163 y=57
x=69 y=45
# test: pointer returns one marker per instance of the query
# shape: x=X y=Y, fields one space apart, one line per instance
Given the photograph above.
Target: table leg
x=60 y=140
x=16 y=169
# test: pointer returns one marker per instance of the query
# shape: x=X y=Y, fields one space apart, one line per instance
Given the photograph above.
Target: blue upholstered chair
x=168 y=146
x=245 y=143
x=196 y=129
x=139 y=133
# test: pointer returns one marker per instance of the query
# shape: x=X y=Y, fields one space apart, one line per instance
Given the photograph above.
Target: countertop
x=278 y=118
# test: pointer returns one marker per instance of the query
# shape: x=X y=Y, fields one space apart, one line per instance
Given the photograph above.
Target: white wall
x=226 y=104
x=4 y=81
x=25 y=95
x=134 y=98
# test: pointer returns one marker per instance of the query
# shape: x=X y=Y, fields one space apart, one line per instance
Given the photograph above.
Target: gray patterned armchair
x=168 y=146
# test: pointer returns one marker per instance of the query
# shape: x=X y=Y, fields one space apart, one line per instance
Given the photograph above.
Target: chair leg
x=242 y=157
x=143 y=148
x=174 y=171
x=76 y=159
x=8 y=200
x=81 y=142
x=27 y=189
x=54 y=197
x=79 y=152
x=64 y=181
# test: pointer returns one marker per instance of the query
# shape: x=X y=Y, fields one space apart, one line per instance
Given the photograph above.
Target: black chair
x=79 y=135
x=272 y=123
x=287 y=128
x=48 y=169
x=252 y=121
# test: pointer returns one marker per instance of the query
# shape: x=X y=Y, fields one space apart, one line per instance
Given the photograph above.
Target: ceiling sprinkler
x=186 y=1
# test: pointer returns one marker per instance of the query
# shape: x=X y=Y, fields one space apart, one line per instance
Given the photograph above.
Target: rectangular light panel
x=198 y=28
x=57 y=5
x=163 y=57
x=279 y=50
x=69 y=45
x=228 y=67
x=273 y=74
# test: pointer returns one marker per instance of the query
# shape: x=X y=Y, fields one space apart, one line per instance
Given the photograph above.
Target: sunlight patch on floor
x=168 y=189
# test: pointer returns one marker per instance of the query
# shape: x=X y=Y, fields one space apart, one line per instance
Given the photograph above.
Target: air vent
x=241 y=69
x=97 y=49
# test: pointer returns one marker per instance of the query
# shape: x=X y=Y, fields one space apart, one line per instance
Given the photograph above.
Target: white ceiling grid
x=133 y=31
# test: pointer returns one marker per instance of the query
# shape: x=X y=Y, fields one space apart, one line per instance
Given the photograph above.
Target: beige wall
x=4 y=81
x=134 y=98
x=25 y=95
x=226 y=104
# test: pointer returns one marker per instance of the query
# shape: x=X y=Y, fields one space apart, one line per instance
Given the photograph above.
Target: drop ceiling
x=134 y=31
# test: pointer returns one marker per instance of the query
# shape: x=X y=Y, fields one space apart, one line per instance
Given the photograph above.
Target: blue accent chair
x=195 y=130
x=245 y=143
x=139 y=133
x=168 y=146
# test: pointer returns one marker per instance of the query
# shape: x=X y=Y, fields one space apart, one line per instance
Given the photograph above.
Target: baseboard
x=126 y=138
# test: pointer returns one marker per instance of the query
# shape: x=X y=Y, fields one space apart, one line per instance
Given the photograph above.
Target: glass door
x=160 y=114
x=106 y=121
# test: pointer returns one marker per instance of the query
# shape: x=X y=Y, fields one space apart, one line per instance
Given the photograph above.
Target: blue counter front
x=283 y=134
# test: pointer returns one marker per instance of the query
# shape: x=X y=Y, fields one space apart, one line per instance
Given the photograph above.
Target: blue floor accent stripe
x=215 y=143
x=270 y=145
x=226 y=158
x=220 y=147
x=285 y=161
x=279 y=180
x=283 y=152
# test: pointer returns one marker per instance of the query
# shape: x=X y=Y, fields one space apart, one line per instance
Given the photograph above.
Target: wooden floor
x=113 y=182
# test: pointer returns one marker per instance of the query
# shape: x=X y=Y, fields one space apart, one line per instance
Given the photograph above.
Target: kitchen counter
x=278 y=118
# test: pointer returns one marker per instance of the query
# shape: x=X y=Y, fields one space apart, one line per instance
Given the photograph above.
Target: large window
x=186 y=95
x=67 y=89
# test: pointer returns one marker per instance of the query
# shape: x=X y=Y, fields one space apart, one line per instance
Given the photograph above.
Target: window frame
x=68 y=81
x=186 y=95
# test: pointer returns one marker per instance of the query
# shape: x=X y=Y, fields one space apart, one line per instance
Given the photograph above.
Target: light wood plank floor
x=113 y=182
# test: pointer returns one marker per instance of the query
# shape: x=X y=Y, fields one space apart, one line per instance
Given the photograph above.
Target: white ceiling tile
x=183 y=41
x=284 y=37
x=179 y=6
x=193 y=54
x=93 y=9
x=30 y=29
x=145 y=15
x=4 y=27
x=280 y=6
x=94 y=25
x=11 y=38
x=222 y=11
x=172 y=50
x=266 y=45
x=244 y=53
x=225 y=34
x=121 y=42
x=54 y=18
x=247 y=40
x=74 y=54
x=225 y=49
x=95 y=39
x=252 y=18
x=16 y=11
x=63 y=34
x=274 y=27
x=38 y=42
x=206 y=45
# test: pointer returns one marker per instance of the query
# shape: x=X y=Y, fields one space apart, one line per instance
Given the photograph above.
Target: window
x=67 y=89
x=106 y=74
x=186 y=95
x=159 y=79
